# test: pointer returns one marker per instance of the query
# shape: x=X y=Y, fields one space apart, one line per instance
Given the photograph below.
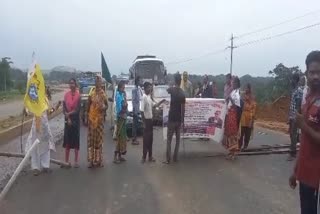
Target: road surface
x=196 y=184
x=14 y=107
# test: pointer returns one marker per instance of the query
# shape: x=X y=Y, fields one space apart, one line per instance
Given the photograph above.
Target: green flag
x=105 y=70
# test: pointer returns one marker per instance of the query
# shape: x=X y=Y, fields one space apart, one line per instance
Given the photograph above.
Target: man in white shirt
x=147 y=105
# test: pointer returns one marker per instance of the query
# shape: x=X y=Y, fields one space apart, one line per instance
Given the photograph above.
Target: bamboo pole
x=18 y=170
x=19 y=155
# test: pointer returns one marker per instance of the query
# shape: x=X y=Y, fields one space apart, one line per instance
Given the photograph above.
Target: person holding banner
x=231 y=130
x=176 y=117
x=186 y=85
x=147 y=105
x=228 y=86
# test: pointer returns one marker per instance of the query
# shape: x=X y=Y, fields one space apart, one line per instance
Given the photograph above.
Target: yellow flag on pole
x=35 y=99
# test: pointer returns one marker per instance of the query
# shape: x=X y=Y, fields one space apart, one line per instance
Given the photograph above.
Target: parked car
x=159 y=93
x=129 y=124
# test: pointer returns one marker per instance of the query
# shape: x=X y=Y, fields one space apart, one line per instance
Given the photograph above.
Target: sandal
x=121 y=159
x=116 y=160
x=166 y=162
x=36 y=172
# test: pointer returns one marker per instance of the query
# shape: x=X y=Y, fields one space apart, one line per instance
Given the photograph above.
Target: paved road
x=196 y=184
x=14 y=107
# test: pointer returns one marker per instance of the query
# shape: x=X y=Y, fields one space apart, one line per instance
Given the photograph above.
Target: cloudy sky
x=74 y=32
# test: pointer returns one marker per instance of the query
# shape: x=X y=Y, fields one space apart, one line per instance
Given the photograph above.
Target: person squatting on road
x=247 y=118
x=295 y=103
x=147 y=106
x=136 y=97
x=121 y=133
x=71 y=111
x=231 y=130
x=176 y=117
x=97 y=106
x=307 y=167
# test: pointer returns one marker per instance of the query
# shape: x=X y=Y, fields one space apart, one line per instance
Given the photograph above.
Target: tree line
x=265 y=89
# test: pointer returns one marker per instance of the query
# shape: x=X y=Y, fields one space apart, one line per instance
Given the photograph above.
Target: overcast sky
x=74 y=32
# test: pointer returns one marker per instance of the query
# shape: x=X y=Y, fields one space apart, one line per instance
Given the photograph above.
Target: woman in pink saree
x=71 y=110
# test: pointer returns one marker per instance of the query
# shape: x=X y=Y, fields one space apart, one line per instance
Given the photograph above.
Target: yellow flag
x=35 y=98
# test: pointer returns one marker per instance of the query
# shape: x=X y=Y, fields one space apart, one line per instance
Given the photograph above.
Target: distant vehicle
x=159 y=93
x=149 y=68
x=123 y=77
x=129 y=124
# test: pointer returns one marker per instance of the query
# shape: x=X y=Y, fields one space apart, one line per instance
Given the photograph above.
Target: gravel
x=9 y=164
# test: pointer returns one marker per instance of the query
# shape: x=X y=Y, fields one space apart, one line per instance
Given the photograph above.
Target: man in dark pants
x=296 y=98
x=307 y=168
x=176 y=117
x=136 y=97
x=147 y=116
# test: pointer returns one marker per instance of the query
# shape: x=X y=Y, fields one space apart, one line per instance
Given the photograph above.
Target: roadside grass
x=10 y=95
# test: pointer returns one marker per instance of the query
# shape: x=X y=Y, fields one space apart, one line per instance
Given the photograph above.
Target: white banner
x=204 y=118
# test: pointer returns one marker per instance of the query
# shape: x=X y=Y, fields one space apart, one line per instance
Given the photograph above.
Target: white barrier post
x=18 y=170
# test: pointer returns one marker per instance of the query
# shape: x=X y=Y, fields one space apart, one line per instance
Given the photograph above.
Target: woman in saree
x=97 y=106
x=231 y=132
x=121 y=131
x=71 y=110
x=247 y=118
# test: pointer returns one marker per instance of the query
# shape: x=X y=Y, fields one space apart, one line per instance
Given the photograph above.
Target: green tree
x=282 y=79
x=5 y=80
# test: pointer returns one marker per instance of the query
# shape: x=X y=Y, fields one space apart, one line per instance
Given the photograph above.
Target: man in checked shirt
x=295 y=105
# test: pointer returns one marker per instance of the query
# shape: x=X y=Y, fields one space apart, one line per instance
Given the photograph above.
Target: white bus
x=149 y=68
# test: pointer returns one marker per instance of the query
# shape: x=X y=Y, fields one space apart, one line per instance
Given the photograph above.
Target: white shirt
x=147 y=105
x=235 y=96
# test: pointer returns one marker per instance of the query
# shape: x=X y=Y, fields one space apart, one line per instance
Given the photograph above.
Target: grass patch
x=10 y=95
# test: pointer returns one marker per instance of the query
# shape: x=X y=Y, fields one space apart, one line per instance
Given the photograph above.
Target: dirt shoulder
x=273 y=125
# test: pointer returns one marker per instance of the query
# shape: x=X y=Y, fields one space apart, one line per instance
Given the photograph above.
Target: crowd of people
x=304 y=115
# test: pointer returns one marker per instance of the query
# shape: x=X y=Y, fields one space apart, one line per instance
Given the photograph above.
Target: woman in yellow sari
x=247 y=118
x=97 y=106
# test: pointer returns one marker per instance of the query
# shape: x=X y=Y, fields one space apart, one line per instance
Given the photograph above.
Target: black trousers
x=293 y=137
x=308 y=199
x=245 y=136
x=147 y=138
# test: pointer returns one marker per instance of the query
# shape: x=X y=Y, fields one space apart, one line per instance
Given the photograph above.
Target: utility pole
x=231 y=54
